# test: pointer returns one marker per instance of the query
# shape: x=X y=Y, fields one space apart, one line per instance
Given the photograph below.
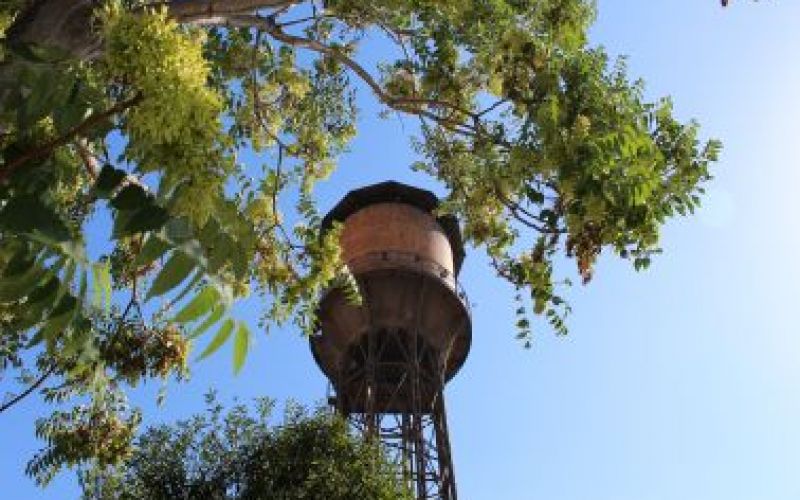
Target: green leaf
x=174 y=272
x=147 y=218
x=77 y=106
x=20 y=277
x=641 y=263
x=241 y=343
x=121 y=220
x=46 y=291
x=19 y=264
x=80 y=343
x=14 y=290
x=108 y=180
x=68 y=303
x=84 y=284
x=193 y=249
x=153 y=248
x=199 y=305
x=221 y=249
x=188 y=287
x=66 y=281
x=38 y=301
x=75 y=250
x=178 y=229
x=101 y=277
x=534 y=195
x=46 y=94
x=211 y=320
x=132 y=196
x=70 y=115
x=26 y=214
x=60 y=317
x=220 y=338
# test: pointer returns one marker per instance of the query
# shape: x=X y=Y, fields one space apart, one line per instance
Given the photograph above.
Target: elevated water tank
x=414 y=321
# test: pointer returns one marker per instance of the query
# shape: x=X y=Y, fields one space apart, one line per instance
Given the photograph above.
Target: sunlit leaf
x=101 y=278
x=241 y=343
x=154 y=247
x=198 y=306
x=220 y=338
x=174 y=272
x=211 y=320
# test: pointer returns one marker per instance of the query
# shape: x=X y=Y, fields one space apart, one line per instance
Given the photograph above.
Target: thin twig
x=492 y=107
x=29 y=390
x=258 y=112
x=526 y=217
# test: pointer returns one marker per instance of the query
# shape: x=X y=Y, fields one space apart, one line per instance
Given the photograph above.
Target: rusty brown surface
x=395 y=192
x=394 y=300
x=395 y=227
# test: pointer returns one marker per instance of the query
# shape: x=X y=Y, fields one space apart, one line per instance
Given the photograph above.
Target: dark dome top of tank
x=392 y=191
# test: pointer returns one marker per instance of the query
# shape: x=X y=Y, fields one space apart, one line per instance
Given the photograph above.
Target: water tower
x=389 y=358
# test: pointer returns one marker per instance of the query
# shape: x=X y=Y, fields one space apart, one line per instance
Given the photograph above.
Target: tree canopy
x=139 y=110
x=238 y=455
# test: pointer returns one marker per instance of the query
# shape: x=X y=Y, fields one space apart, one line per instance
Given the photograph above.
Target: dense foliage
x=219 y=455
x=138 y=112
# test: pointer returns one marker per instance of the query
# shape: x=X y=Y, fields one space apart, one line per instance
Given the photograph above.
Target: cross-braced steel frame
x=392 y=389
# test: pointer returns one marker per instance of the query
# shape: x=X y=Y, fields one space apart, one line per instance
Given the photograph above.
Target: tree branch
x=67 y=25
x=412 y=105
x=527 y=218
x=63 y=24
x=16 y=399
x=491 y=108
x=48 y=147
x=88 y=158
x=196 y=11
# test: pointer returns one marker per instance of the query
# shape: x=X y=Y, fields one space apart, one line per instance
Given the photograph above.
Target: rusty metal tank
x=414 y=320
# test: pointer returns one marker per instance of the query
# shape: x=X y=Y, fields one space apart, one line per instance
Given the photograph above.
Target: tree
x=236 y=454
x=138 y=110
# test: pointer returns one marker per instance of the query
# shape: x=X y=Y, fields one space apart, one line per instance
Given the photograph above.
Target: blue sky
x=677 y=383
